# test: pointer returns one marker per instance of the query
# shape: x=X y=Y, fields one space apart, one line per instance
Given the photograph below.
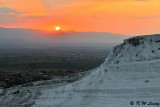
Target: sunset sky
x=128 y=17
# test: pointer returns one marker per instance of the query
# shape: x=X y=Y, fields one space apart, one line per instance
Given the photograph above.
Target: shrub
x=134 y=41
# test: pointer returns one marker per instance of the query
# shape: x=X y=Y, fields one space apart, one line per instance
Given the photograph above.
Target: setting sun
x=58 y=28
x=127 y=17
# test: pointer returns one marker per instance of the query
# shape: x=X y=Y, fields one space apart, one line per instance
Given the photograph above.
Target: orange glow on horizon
x=128 y=17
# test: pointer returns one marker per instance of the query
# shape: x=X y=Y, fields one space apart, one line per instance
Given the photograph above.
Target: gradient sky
x=128 y=17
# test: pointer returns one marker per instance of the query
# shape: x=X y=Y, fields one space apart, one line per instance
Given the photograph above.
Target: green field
x=52 y=59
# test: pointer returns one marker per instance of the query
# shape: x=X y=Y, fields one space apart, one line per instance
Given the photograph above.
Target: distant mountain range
x=28 y=38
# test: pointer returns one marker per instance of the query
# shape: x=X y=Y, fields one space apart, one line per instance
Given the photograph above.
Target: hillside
x=129 y=76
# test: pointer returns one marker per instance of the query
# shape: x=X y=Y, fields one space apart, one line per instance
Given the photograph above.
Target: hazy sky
x=129 y=17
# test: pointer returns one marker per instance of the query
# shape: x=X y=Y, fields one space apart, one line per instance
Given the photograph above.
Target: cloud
x=141 y=0
x=112 y=0
x=30 y=7
x=148 y=17
x=10 y=16
x=9 y=11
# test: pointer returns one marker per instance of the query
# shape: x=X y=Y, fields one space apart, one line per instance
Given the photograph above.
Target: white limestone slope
x=130 y=73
